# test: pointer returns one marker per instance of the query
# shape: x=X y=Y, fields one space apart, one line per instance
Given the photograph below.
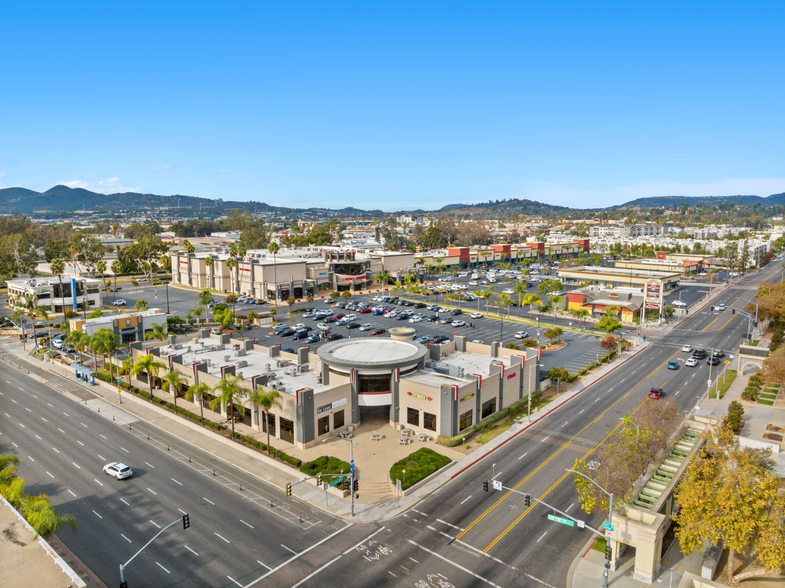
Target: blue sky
x=395 y=105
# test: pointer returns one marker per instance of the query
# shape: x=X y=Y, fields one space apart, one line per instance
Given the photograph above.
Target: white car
x=118 y=470
x=508 y=291
x=678 y=304
x=322 y=327
x=721 y=307
x=58 y=343
x=687 y=348
x=476 y=315
x=119 y=302
x=521 y=335
x=366 y=327
x=298 y=326
x=478 y=341
x=458 y=323
x=473 y=283
x=691 y=362
x=329 y=300
x=734 y=274
x=350 y=317
x=415 y=319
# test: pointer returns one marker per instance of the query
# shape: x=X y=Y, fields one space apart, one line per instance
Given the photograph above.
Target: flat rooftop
x=248 y=363
x=453 y=367
x=616 y=271
x=370 y=352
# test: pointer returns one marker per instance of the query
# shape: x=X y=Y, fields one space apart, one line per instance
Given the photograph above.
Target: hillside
x=670 y=201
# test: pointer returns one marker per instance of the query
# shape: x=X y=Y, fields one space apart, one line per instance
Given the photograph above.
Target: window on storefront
x=338 y=419
x=429 y=421
x=323 y=425
x=287 y=430
x=488 y=408
x=466 y=421
x=375 y=383
x=413 y=417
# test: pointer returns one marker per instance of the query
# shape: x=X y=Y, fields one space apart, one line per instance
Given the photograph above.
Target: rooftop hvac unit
x=239 y=353
x=304 y=367
x=267 y=367
x=281 y=388
x=242 y=364
x=227 y=357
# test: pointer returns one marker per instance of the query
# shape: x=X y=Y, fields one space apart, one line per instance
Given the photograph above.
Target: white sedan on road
x=691 y=362
x=687 y=348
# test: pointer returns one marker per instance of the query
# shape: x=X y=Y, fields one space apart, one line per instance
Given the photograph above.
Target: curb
x=554 y=407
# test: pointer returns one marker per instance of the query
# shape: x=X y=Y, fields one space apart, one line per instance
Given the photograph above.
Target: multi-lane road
x=459 y=535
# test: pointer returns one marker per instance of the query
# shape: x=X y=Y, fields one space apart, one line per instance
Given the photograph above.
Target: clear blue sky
x=395 y=105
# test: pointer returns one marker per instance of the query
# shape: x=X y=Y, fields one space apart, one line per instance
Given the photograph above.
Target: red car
x=364 y=310
x=378 y=331
x=338 y=316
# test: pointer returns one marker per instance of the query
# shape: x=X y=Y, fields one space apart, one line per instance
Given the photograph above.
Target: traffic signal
x=123 y=584
x=712 y=309
x=288 y=488
x=485 y=485
x=186 y=521
x=356 y=485
x=319 y=479
x=527 y=500
x=733 y=311
x=608 y=551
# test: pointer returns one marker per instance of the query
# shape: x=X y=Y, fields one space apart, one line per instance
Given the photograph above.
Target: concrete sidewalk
x=377 y=502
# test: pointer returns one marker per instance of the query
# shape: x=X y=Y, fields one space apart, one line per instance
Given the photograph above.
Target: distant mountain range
x=62 y=198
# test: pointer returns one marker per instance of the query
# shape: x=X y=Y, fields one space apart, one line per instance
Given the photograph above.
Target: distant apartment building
x=469 y=257
x=623 y=231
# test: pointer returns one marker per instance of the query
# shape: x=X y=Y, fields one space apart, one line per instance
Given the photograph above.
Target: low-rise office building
x=56 y=294
x=683 y=266
x=598 y=300
x=128 y=326
x=470 y=257
x=436 y=390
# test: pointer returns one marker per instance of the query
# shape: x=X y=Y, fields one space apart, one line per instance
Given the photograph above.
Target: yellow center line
x=543 y=464
x=719 y=315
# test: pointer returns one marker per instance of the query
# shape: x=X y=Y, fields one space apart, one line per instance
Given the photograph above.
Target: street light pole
x=610 y=523
x=351 y=464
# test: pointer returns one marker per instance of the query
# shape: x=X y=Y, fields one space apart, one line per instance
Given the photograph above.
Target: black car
x=334 y=336
x=402 y=317
x=285 y=333
x=713 y=361
x=288 y=350
x=419 y=305
x=432 y=318
x=440 y=339
x=699 y=354
x=353 y=325
x=300 y=335
x=456 y=312
x=330 y=319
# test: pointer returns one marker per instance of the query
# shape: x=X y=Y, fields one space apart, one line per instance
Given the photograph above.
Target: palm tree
x=80 y=341
x=532 y=299
x=157 y=332
x=141 y=304
x=383 y=277
x=440 y=267
x=197 y=311
x=189 y=248
x=106 y=343
x=274 y=249
x=229 y=391
x=486 y=294
x=30 y=304
x=58 y=267
x=554 y=302
x=125 y=369
x=172 y=381
x=42 y=517
x=116 y=269
x=231 y=263
x=520 y=289
x=265 y=399
x=197 y=390
x=581 y=314
x=309 y=298
x=209 y=263
x=100 y=267
x=147 y=364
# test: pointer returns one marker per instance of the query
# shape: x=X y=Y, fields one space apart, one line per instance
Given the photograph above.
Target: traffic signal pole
x=186 y=523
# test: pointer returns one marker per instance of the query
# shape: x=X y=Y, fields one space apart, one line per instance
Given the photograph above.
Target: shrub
x=512 y=345
x=419 y=465
x=529 y=343
x=581 y=371
x=749 y=394
x=572 y=378
x=458 y=439
x=325 y=464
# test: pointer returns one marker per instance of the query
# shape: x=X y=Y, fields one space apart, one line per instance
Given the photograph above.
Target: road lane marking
x=288 y=549
x=191 y=550
x=97 y=482
x=126 y=538
x=152 y=521
x=543 y=535
x=50 y=405
x=217 y=535
x=265 y=565
x=80 y=443
x=244 y=523
x=96 y=514
x=85 y=426
x=419 y=512
x=55 y=450
x=233 y=580
x=596 y=401
x=31 y=459
x=210 y=501
x=43 y=419
x=101 y=457
x=28 y=410
x=152 y=491
x=59 y=429
x=72 y=494
x=66 y=414
x=182 y=511
x=123 y=499
x=610 y=389
x=460 y=567
x=465 y=499
x=176 y=482
x=77 y=467
x=39 y=438
x=449 y=524
x=104 y=436
x=414 y=560
x=124 y=449
x=543 y=441
x=496 y=476
x=21 y=425
x=524 y=455
x=14 y=401
x=152 y=466
x=50 y=475
x=164 y=569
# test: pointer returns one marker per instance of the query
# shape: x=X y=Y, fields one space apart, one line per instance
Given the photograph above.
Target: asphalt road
x=235 y=535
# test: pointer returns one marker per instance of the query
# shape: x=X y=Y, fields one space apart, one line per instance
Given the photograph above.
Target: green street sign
x=607 y=526
x=561 y=520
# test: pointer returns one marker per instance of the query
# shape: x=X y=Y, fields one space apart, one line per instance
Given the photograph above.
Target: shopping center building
x=435 y=389
x=56 y=294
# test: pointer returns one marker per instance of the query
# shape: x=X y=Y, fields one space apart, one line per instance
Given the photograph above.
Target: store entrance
x=375 y=415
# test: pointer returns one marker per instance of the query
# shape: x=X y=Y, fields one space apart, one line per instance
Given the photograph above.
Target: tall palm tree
x=29 y=303
x=100 y=267
x=197 y=390
x=106 y=343
x=58 y=267
x=117 y=267
x=581 y=314
x=209 y=263
x=530 y=299
x=229 y=391
x=40 y=515
x=231 y=263
x=125 y=369
x=172 y=381
x=383 y=278
x=189 y=248
x=157 y=332
x=486 y=294
x=265 y=399
x=147 y=364
x=520 y=289
x=197 y=311
x=79 y=340
x=274 y=249
x=554 y=303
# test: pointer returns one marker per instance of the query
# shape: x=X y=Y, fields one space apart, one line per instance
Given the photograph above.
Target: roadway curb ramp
x=504 y=438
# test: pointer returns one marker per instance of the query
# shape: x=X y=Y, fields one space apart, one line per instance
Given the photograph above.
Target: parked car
x=678 y=304
x=476 y=315
x=446 y=320
x=378 y=331
x=312 y=339
x=456 y=312
x=366 y=327
x=322 y=327
x=415 y=319
x=334 y=336
x=286 y=333
x=673 y=365
x=353 y=325
x=459 y=323
x=119 y=302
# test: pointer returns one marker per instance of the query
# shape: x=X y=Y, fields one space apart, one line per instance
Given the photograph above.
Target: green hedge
x=514 y=408
x=419 y=465
x=325 y=464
